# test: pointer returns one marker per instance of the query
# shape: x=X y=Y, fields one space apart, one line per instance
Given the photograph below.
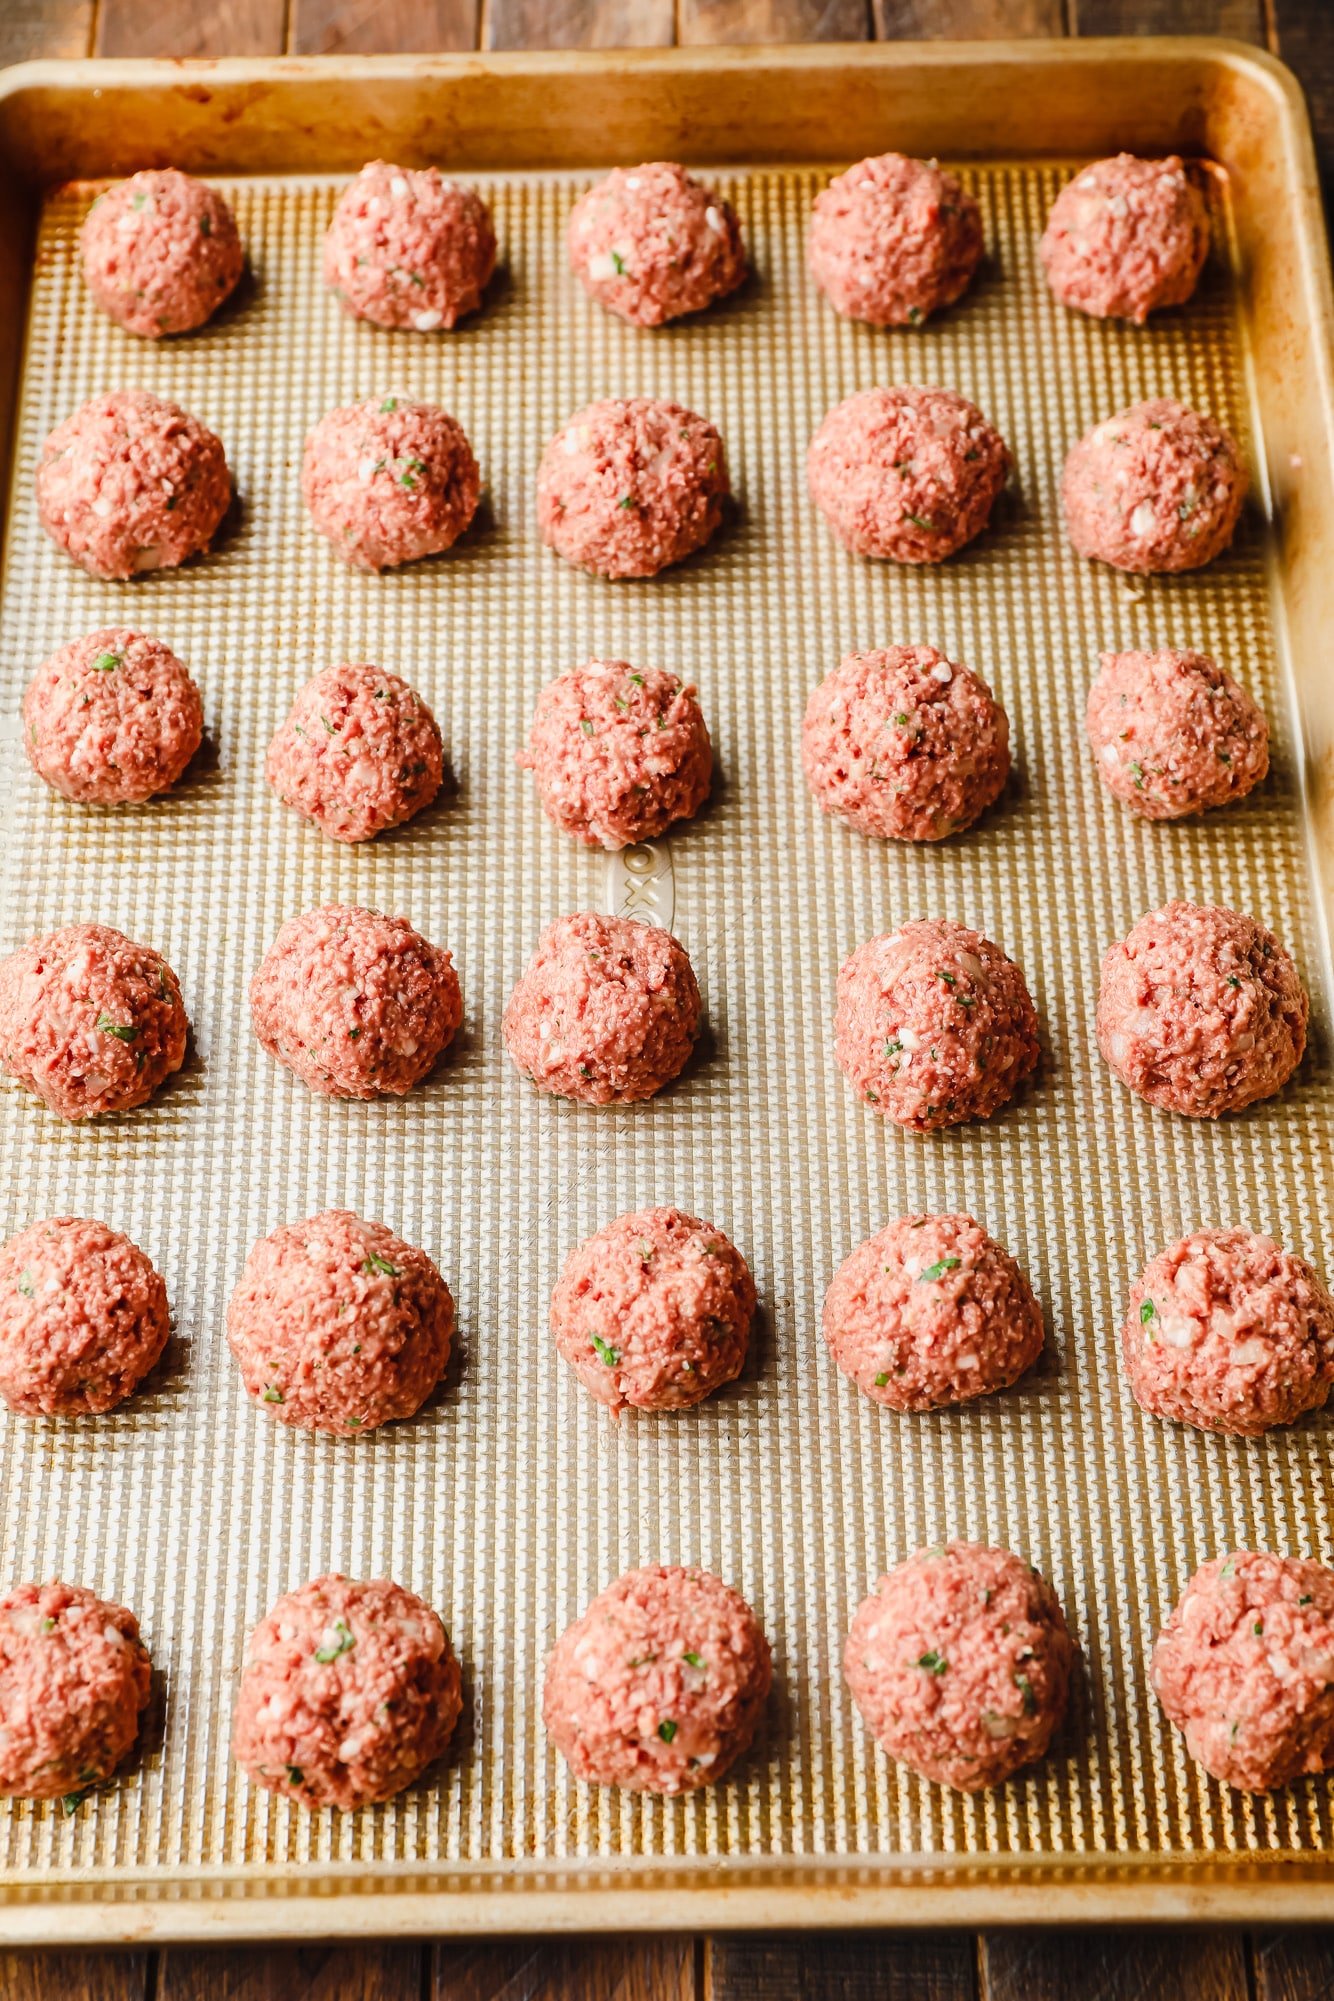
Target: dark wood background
x=949 y=1966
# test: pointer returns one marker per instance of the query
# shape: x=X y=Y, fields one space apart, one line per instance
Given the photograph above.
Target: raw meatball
x=1243 y=1668
x=161 y=252
x=905 y=745
x=1156 y=488
x=359 y=752
x=931 y=1311
x=112 y=718
x=660 y=1685
x=1227 y=1331
x=349 y=1691
x=1173 y=734
x=606 y=1011
x=338 y=1325
x=934 y=1025
x=652 y=243
x=89 y=1020
x=1125 y=237
x=74 y=1680
x=359 y=1005
x=1201 y=1011
x=629 y=486
x=908 y=474
x=407 y=248
x=654 y=1311
x=618 y=753
x=960 y=1663
x=131 y=483
x=389 y=482
x=83 y=1318
x=893 y=240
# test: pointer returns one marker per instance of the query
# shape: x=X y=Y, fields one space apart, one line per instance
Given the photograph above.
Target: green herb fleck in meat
x=342 y=1643
x=882 y=1379
x=920 y=521
x=933 y=1661
x=374 y=1262
x=606 y=1354
x=124 y=1031
x=666 y=1730
x=938 y=1270
x=1147 y=1312
x=1025 y=1688
x=273 y=1394
x=106 y=663
x=389 y=405
x=619 y=263
x=24 y=1283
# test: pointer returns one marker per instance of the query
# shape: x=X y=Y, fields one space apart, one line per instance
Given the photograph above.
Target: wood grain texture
x=1243 y=19
x=73 y=1976
x=566 y=1970
x=1304 y=33
x=1113 y=1966
x=577 y=24
x=190 y=27
x=852 y=1966
x=1293 y=1966
x=967 y=20
x=758 y=21
x=368 y=27
x=288 y=1973
x=31 y=28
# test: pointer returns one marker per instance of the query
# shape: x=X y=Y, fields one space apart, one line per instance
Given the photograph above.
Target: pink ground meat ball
x=934 y=1025
x=931 y=1311
x=893 y=240
x=89 y=1020
x=960 y=1663
x=660 y=1685
x=618 y=753
x=359 y=1005
x=1245 y=1667
x=358 y=752
x=629 y=486
x=132 y=483
x=1173 y=734
x=910 y=475
x=407 y=248
x=389 y=482
x=338 y=1325
x=161 y=251
x=1157 y=488
x=652 y=243
x=1125 y=237
x=654 y=1312
x=74 y=1680
x=83 y=1318
x=1201 y=1011
x=1226 y=1331
x=349 y=1692
x=607 y=1010
x=112 y=718
x=904 y=745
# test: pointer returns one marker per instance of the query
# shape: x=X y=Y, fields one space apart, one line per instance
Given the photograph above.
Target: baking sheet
x=513 y=1498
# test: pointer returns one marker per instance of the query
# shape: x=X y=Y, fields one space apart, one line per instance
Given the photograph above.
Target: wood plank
x=1294 y=1966
x=73 y=1976
x=30 y=28
x=1113 y=1966
x=849 y=1966
x=577 y=24
x=1243 y=19
x=648 y=1969
x=772 y=21
x=289 y=1973
x=967 y=20
x=381 y=27
x=190 y=27
x=1304 y=36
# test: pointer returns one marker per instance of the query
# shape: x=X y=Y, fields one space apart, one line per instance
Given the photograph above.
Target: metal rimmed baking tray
x=512 y=1499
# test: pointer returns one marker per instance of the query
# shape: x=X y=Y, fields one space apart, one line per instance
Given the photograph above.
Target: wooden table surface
x=942 y=1966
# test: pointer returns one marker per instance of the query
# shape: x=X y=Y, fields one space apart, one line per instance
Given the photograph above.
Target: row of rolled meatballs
x=960 y=1662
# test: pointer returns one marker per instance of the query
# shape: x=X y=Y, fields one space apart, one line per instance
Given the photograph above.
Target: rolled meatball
x=910 y=475
x=83 y=1318
x=1226 y=1331
x=161 y=251
x=1126 y=237
x=349 y=1691
x=74 y=1681
x=1242 y=1667
x=407 y=248
x=960 y=1663
x=893 y=240
x=89 y=1020
x=631 y=485
x=934 y=1025
x=358 y=752
x=652 y=243
x=1201 y=1011
x=904 y=745
x=132 y=483
x=618 y=753
x=1156 y=488
x=660 y=1685
x=389 y=482
x=1173 y=734
x=654 y=1311
x=112 y=718
x=607 y=1010
x=931 y=1311
x=338 y=1325
x=359 y=1005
